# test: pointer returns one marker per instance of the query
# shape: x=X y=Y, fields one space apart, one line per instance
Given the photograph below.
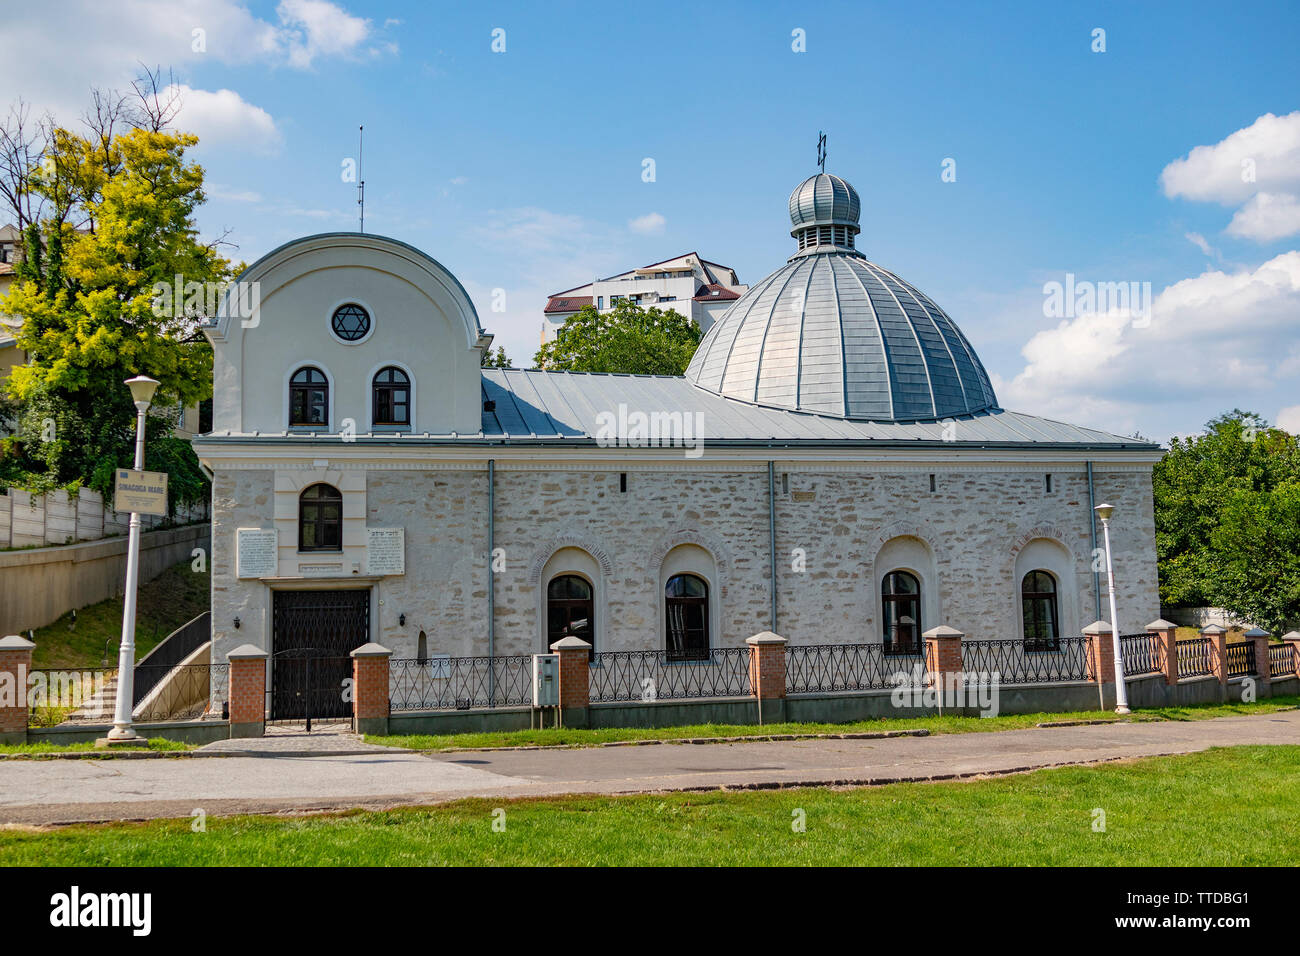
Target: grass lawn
x=935 y=725
x=153 y=743
x=174 y=597
x=1226 y=807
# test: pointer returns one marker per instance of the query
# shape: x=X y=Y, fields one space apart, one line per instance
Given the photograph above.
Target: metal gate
x=313 y=634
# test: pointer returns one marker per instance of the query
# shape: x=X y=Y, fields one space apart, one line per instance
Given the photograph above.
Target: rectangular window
x=933 y=486
x=622 y=481
x=1048 y=483
x=600 y=302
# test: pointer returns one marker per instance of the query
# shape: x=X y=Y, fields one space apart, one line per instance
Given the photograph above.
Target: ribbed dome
x=824 y=200
x=833 y=334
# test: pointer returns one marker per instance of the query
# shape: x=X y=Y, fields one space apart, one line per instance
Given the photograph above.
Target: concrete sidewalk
x=65 y=791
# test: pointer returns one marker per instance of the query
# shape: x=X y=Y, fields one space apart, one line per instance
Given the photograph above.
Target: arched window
x=422 y=648
x=686 y=613
x=391 y=397
x=309 y=397
x=320 y=519
x=570 y=610
x=1039 y=611
x=900 y=600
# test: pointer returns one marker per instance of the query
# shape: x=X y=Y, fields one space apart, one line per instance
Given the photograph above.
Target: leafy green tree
x=1211 y=493
x=497 y=359
x=87 y=297
x=627 y=339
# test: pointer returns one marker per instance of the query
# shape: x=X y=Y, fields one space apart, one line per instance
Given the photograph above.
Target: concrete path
x=65 y=791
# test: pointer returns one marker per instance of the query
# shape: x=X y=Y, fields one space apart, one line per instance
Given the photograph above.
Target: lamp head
x=142 y=388
x=1104 y=511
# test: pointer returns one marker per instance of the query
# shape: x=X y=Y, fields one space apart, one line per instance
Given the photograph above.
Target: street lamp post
x=142 y=389
x=1104 y=511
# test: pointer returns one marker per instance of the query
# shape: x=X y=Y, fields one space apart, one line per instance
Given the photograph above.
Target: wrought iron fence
x=460 y=683
x=179 y=693
x=1194 y=657
x=1142 y=654
x=841 y=667
x=653 y=675
x=1241 y=658
x=58 y=695
x=1281 y=660
x=1028 y=662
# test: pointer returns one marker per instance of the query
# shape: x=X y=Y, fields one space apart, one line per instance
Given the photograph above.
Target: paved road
x=64 y=791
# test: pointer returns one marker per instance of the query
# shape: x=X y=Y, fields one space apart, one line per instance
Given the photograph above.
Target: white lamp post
x=142 y=389
x=1104 y=512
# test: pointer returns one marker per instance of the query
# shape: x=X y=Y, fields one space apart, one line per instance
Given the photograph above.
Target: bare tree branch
x=22 y=144
x=159 y=99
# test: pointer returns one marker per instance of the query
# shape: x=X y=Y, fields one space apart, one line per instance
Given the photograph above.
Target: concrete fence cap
x=1213 y=630
x=372 y=650
x=1291 y=636
x=943 y=630
x=1258 y=632
x=571 y=644
x=765 y=637
x=1160 y=624
x=15 y=642
x=1098 y=627
x=246 y=652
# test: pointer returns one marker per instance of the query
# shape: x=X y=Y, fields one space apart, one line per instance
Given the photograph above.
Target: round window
x=351 y=323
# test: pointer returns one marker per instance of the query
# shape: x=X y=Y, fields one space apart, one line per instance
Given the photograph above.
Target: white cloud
x=1271 y=147
x=1205 y=333
x=315 y=28
x=231 y=194
x=1288 y=419
x=1266 y=217
x=1199 y=241
x=651 y=224
x=224 y=117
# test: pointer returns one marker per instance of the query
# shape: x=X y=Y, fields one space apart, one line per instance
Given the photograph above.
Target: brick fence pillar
x=370 y=689
x=15 y=665
x=575 y=689
x=1263 y=676
x=766 y=666
x=247 y=691
x=1101 y=652
x=1218 y=656
x=1292 y=640
x=1166 y=638
x=943 y=653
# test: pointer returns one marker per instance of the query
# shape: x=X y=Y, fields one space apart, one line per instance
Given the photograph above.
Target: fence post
x=943 y=652
x=1263 y=674
x=247 y=691
x=1218 y=638
x=1166 y=635
x=370 y=689
x=767 y=669
x=1101 y=652
x=15 y=665
x=1292 y=640
x=575 y=689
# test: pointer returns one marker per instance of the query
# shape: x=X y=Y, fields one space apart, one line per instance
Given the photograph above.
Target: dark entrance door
x=313 y=634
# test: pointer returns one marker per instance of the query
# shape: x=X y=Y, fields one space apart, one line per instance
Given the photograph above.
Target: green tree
x=497 y=359
x=627 y=339
x=1211 y=493
x=1257 y=555
x=87 y=297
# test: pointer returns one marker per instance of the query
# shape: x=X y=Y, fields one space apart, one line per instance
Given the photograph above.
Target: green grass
x=153 y=743
x=174 y=597
x=1226 y=807
x=935 y=725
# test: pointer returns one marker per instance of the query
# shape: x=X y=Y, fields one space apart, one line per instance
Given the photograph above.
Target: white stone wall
x=841 y=516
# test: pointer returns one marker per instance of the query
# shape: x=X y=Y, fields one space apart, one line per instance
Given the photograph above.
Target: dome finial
x=821 y=150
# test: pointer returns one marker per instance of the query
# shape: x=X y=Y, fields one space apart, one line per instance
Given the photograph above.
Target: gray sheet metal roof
x=565 y=407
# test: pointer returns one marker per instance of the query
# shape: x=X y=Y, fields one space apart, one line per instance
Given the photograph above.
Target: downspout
x=771 y=534
x=492 y=584
x=1096 y=575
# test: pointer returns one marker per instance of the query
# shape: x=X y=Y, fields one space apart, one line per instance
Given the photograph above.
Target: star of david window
x=351 y=323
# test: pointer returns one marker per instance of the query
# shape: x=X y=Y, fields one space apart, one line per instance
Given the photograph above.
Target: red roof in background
x=713 y=291
x=572 y=304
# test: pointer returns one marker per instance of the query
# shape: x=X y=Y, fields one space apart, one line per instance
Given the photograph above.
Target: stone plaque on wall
x=385 y=551
x=255 y=553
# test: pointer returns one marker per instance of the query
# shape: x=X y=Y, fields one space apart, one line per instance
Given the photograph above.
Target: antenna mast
x=361 y=183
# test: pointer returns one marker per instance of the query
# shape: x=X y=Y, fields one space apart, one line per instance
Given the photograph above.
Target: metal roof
x=531 y=405
x=824 y=199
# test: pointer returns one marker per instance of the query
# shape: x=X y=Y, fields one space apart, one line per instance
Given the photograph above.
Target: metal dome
x=824 y=200
x=834 y=334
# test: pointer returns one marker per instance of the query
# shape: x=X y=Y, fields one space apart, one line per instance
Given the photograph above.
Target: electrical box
x=546 y=680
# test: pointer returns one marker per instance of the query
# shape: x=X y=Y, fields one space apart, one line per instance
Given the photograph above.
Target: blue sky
x=521 y=169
